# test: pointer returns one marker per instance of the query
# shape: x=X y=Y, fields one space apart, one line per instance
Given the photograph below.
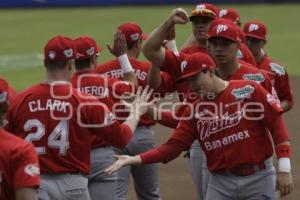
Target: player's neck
x=203 y=43
x=133 y=54
x=220 y=84
x=56 y=76
x=229 y=68
x=259 y=56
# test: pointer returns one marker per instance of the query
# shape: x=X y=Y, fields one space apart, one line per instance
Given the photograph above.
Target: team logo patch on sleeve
x=243 y=93
x=259 y=77
x=239 y=54
x=109 y=119
x=278 y=69
x=32 y=170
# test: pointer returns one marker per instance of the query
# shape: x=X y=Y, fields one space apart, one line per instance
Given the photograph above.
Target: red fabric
x=283 y=151
x=167 y=119
x=86 y=47
x=59 y=48
x=63 y=112
x=251 y=73
x=106 y=90
x=6 y=87
x=280 y=78
x=228 y=138
x=112 y=69
x=255 y=29
x=225 y=30
x=193 y=49
x=132 y=32
x=19 y=165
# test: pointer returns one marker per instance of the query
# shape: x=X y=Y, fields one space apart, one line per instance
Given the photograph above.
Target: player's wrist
x=283 y=154
x=125 y=64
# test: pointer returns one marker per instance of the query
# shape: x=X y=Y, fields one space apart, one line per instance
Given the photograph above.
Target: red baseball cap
x=227 y=21
x=59 y=48
x=195 y=64
x=86 y=47
x=231 y=14
x=255 y=29
x=205 y=10
x=132 y=32
x=225 y=30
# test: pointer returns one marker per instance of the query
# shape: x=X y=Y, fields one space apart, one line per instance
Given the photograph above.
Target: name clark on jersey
x=50 y=104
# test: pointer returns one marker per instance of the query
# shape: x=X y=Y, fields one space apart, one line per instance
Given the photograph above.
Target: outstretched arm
x=26 y=194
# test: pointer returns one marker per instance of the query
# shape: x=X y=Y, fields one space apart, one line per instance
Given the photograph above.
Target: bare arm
x=119 y=50
x=153 y=49
x=26 y=194
x=154 y=77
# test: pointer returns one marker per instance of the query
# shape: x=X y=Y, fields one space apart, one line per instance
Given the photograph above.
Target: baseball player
x=61 y=122
x=19 y=167
x=101 y=185
x=145 y=177
x=256 y=39
x=172 y=63
x=235 y=139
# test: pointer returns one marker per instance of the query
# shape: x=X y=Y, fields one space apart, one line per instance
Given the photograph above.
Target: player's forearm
x=278 y=131
x=26 y=194
x=132 y=120
x=167 y=118
x=283 y=152
x=153 y=49
x=127 y=69
x=154 y=78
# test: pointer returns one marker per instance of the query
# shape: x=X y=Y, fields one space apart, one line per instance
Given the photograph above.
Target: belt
x=245 y=170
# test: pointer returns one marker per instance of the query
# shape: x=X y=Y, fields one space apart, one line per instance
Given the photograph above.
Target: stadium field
x=24 y=33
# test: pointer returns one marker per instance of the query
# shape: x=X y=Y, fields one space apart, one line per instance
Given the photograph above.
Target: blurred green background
x=24 y=32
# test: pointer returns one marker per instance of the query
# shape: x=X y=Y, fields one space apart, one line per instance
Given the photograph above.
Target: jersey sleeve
x=283 y=88
x=26 y=167
x=181 y=139
x=272 y=118
x=119 y=88
x=172 y=64
x=167 y=84
x=103 y=123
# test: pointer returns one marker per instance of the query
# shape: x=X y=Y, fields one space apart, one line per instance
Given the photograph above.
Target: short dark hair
x=83 y=64
x=131 y=45
x=56 y=65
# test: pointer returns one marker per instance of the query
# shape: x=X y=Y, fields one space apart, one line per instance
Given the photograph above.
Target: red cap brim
x=255 y=36
x=184 y=77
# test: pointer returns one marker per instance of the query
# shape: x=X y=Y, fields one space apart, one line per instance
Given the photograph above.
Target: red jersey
x=193 y=49
x=112 y=69
x=245 y=54
x=19 y=167
x=230 y=132
x=106 y=90
x=280 y=77
x=60 y=121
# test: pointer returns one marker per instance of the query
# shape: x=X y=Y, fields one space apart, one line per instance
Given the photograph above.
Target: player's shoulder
x=275 y=66
x=103 y=67
x=14 y=144
x=243 y=89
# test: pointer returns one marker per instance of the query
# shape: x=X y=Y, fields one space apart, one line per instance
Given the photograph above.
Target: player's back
x=50 y=117
x=18 y=165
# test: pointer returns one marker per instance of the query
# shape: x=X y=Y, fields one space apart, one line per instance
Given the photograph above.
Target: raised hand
x=140 y=104
x=179 y=16
x=120 y=46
